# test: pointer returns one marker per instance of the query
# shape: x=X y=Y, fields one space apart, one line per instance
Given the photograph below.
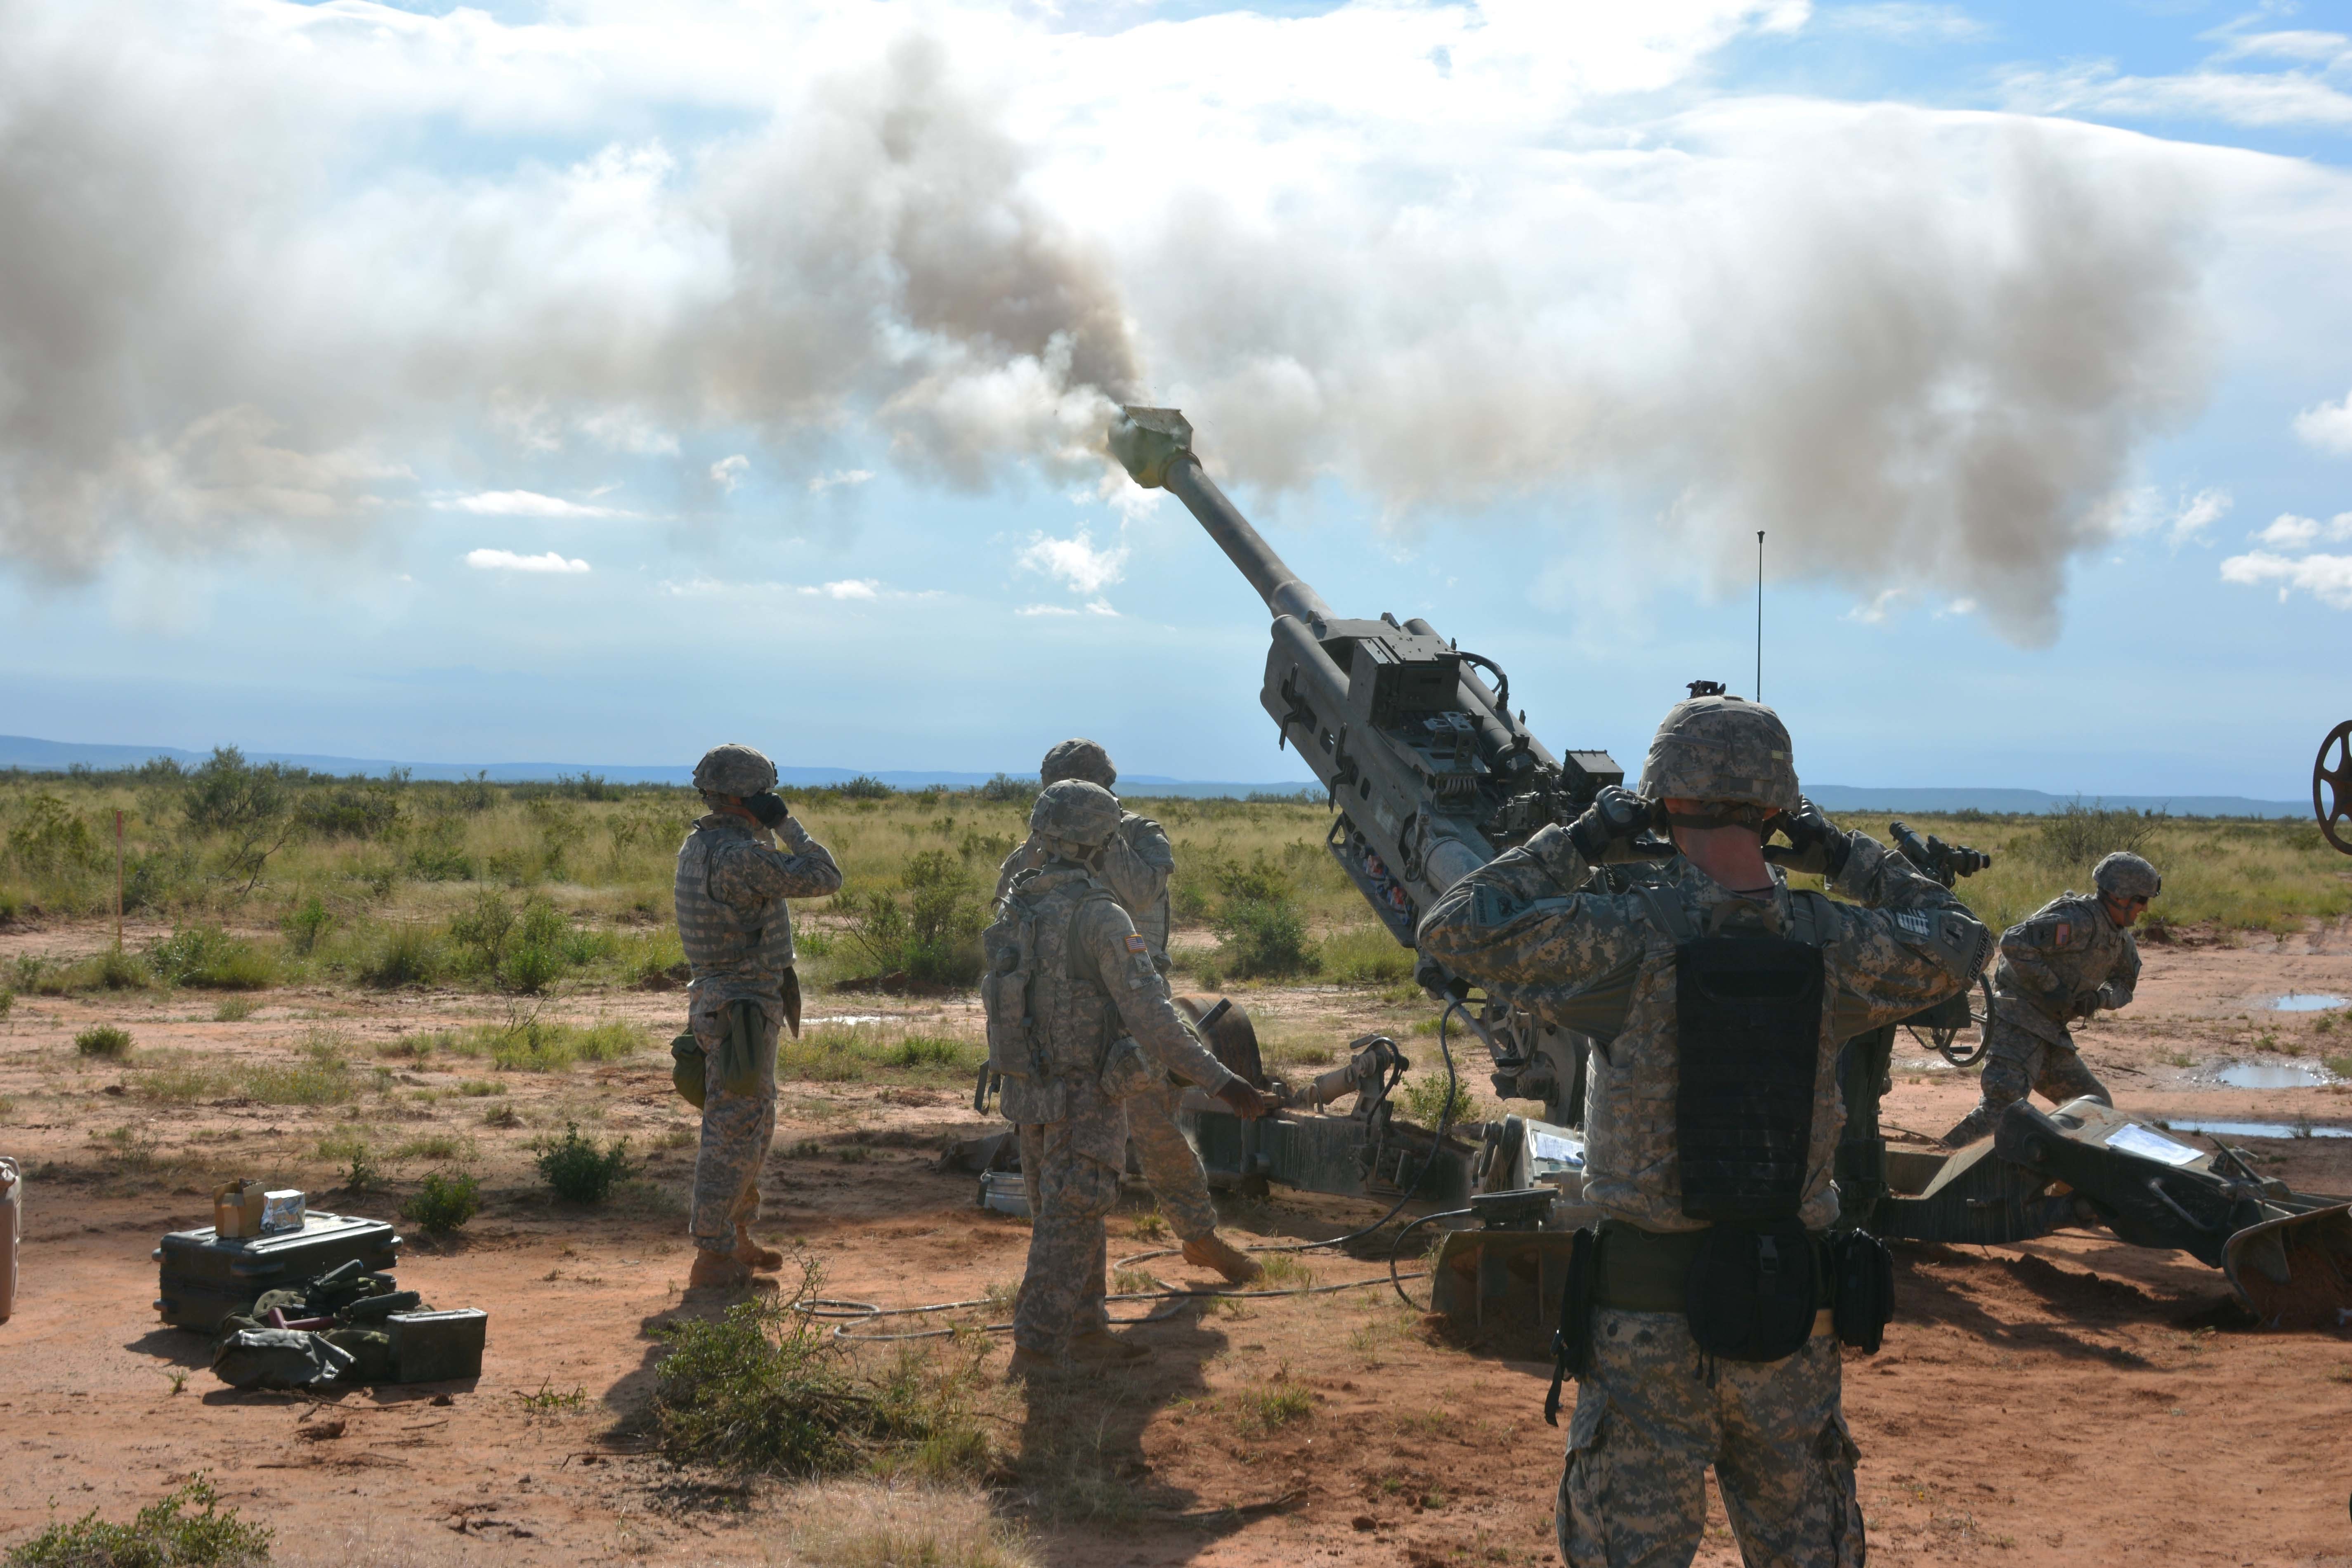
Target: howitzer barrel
x=1156 y=445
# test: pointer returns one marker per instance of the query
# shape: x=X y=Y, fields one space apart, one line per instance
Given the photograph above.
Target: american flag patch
x=2062 y=933
x=1135 y=943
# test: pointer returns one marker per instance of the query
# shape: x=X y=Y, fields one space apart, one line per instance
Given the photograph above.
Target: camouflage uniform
x=1651 y=1411
x=1096 y=981
x=2068 y=961
x=1135 y=866
x=738 y=934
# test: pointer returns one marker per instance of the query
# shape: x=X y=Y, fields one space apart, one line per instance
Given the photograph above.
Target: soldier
x=737 y=930
x=1078 y=1020
x=1136 y=864
x=2075 y=956
x=1711 y=1127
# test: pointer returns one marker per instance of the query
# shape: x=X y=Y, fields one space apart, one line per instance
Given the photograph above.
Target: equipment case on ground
x=205 y=1279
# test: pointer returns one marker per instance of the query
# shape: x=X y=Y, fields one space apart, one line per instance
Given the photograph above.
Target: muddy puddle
x=2272 y=1075
x=2306 y=1002
x=2213 y=1129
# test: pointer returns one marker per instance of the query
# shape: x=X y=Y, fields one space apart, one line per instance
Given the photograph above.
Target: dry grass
x=872 y=1524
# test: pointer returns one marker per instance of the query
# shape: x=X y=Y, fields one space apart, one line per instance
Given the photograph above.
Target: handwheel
x=2331 y=787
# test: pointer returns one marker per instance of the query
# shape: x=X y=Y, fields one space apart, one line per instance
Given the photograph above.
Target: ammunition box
x=205 y=1278
x=433 y=1347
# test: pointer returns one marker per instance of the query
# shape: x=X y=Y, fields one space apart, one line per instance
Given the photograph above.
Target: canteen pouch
x=1127 y=1071
x=1863 y=1268
x=1753 y=1290
x=686 y=1068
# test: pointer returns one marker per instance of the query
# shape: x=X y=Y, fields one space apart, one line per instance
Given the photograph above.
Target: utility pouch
x=1571 y=1342
x=686 y=1068
x=1027 y=1101
x=1010 y=948
x=743 y=1050
x=1863 y=1271
x=792 y=1000
x=1127 y=1071
x=1753 y=1292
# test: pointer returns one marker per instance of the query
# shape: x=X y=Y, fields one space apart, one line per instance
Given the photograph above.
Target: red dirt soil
x=2067 y=1400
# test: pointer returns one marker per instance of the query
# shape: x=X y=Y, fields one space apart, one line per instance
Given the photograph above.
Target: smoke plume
x=1428 y=251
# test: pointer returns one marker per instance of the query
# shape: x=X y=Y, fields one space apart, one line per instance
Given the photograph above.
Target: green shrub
x=481 y=932
x=357 y=1154
x=931 y=1051
x=7 y=1001
x=305 y=923
x=1365 y=956
x=444 y=1203
x=404 y=955
x=1424 y=1102
x=531 y=1044
x=52 y=839
x=764 y=1389
x=581 y=1173
x=207 y=957
x=166 y=1534
x=933 y=937
x=2076 y=836
x=109 y=969
x=233 y=1010
x=1260 y=931
x=104 y=1040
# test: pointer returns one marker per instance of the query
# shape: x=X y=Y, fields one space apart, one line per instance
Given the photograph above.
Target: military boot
x=1213 y=1251
x=715 y=1271
x=754 y=1256
x=1029 y=1364
x=1099 y=1347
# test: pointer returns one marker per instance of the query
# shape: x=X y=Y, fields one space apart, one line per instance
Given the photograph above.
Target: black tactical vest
x=1747 y=1025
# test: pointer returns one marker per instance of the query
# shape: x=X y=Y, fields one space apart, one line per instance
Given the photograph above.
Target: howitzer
x=1431 y=774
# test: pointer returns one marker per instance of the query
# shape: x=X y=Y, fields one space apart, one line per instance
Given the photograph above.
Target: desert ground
x=2066 y=1400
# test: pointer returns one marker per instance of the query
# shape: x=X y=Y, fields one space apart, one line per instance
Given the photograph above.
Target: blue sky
x=592 y=383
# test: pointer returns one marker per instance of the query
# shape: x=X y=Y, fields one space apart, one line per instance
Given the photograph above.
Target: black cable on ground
x=1397 y=1280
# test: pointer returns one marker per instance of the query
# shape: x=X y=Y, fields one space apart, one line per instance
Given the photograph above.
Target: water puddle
x=2257 y=1075
x=2254 y=1129
x=2306 y=1002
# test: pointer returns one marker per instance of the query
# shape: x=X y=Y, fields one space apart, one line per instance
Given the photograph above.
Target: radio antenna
x=1760 y=614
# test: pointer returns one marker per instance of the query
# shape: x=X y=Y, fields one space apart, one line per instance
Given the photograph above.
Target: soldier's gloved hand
x=769 y=807
x=1814 y=846
x=1243 y=1101
x=1614 y=815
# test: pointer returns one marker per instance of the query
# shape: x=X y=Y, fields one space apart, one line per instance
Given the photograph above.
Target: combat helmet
x=1078 y=759
x=2124 y=875
x=734 y=770
x=1721 y=748
x=1075 y=817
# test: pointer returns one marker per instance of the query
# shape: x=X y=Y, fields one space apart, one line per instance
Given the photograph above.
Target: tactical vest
x=750 y=948
x=1748 y=1032
x=1044 y=1021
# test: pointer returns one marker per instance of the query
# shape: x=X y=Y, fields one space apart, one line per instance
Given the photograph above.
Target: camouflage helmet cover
x=734 y=770
x=1721 y=749
x=1078 y=759
x=2124 y=875
x=1076 y=813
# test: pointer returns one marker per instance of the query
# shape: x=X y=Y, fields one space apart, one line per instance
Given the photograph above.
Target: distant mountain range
x=57 y=756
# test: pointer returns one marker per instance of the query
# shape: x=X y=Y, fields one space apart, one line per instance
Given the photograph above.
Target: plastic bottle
x=12 y=1215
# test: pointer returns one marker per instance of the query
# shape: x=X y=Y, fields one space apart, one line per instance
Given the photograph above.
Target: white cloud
x=522 y=503
x=1044 y=610
x=1874 y=611
x=1074 y=563
x=507 y=561
x=840 y=479
x=2328 y=578
x=2198 y=514
x=2292 y=532
x=849 y=588
x=1901 y=22
x=2327 y=427
x=2268 y=100
x=728 y=472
